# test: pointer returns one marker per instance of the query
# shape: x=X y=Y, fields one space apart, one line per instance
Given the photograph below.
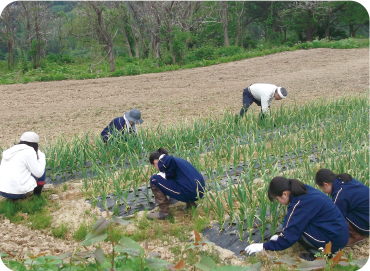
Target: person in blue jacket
x=177 y=178
x=312 y=219
x=126 y=123
x=352 y=199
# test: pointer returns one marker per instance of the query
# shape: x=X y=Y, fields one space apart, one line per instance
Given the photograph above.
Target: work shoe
x=355 y=238
x=189 y=205
x=307 y=256
x=163 y=203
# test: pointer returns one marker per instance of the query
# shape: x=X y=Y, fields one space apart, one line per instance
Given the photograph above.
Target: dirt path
x=71 y=107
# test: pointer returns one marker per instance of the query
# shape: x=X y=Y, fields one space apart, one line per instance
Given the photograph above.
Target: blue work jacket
x=315 y=216
x=352 y=199
x=118 y=124
x=182 y=172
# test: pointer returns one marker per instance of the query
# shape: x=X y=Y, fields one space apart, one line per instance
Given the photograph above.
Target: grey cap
x=30 y=137
x=134 y=115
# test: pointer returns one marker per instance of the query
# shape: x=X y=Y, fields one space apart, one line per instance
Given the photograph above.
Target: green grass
x=202 y=57
x=61 y=231
x=81 y=232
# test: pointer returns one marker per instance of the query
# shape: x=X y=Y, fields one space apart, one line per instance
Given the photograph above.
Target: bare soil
x=74 y=106
x=71 y=107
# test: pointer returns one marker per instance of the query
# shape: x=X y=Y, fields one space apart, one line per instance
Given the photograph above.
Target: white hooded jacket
x=17 y=165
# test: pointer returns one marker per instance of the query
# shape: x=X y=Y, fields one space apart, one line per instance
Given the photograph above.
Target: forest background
x=46 y=40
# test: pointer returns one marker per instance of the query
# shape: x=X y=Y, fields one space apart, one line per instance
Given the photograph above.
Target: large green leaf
x=231 y=268
x=312 y=265
x=156 y=263
x=255 y=267
x=206 y=263
x=359 y=262
x=129 y=243
x=117 y=220
x=99 y=255
x=130 y=251
x=100 y=226
x=92 y=239
x=287 y=260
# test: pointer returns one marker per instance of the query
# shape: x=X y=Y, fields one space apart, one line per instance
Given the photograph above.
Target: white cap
x=282 y=92
x=30 y=137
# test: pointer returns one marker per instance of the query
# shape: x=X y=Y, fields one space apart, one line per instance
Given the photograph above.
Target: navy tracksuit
x=118 y=124
x=352 y=199
x=182 y=179
x=316 y=217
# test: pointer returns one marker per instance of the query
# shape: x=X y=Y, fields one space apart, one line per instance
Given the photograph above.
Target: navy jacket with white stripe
x=116 y=125
x=315 y=216
x=352 y=199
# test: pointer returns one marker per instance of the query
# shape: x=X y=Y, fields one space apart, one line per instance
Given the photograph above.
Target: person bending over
x=312 y=219
x=22 y=169
x=177 y=178
x=125 y=124
x=262 y=95
x=352 y=199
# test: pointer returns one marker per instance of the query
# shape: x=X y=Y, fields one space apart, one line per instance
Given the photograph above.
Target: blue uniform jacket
x=183 y=173
x=352 y=199
x=315 y=216
x=118 y=124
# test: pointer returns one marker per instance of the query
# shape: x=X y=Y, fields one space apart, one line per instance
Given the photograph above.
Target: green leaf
x=117 y=220
x=308 y=265
x=92 y=239
x=99 y=255
x=129 y=243
x=231 y=268
x=100 y=226
x=255 y=267
x=359 y=262
x=156 y=263
x=287 y=260
x=206 y=263
x=130 y=251
x=3 y=255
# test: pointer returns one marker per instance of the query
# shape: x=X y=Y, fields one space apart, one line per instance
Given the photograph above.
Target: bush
x=67 y=59
x=229 y=51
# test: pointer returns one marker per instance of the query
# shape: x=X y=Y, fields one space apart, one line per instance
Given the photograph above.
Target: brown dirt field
x=74 y=106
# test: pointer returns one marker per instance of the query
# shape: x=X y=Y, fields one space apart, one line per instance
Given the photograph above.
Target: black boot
x=37 y=190
x=311 y=249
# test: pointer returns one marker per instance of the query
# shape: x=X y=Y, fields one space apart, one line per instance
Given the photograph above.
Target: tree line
x=166 y=30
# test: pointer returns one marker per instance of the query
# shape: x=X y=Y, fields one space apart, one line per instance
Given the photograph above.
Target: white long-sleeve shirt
x=263 y=93
x=17 y=165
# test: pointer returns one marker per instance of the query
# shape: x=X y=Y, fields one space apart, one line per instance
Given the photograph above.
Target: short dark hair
x=280 y=184
x=156 y=154
x=328 y=176
x=35 y=146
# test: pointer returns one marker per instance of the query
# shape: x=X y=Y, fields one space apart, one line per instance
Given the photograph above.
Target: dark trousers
x=37 y=191
x=248 y=99
x=174 y=190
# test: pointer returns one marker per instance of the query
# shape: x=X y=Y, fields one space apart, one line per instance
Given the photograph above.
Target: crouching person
x=22 y=169
x=312 y=219
x=352 y=199
x=177 y=178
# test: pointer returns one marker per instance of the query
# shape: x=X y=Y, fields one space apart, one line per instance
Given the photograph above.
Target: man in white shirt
x=262 y=95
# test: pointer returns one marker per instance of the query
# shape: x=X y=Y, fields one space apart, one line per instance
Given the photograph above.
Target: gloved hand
x=254 y=248
x=274 y=237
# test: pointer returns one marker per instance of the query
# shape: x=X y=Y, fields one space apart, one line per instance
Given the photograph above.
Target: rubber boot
x=189 y=205
x=37 y=190
x=163 y=203
x=354 y=237
x=307 y=245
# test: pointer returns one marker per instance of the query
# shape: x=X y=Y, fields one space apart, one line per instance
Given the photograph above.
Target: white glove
x=274 y=237
x=162 y=174
x=254 y=248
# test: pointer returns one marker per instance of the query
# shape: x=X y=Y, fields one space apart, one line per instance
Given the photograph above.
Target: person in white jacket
x=22 y=168
x=262 y=95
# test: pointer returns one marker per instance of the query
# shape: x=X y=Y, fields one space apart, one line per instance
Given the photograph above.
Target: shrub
x=229 y=51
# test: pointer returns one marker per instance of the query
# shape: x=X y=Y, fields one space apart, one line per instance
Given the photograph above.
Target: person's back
x=22 y=168
x=352 y=199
